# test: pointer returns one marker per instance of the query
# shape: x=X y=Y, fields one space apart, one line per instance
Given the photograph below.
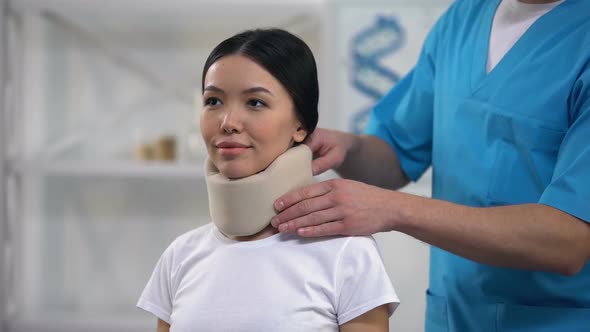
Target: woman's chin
x=235 y=174
x=232 y=170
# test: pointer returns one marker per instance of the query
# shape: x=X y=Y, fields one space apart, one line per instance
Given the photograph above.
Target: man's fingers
x=313 y=142
x=311 y=219
x=327 y=155
x=322 y=164
x=296 y=196
x=329 y=229
x=302 y=209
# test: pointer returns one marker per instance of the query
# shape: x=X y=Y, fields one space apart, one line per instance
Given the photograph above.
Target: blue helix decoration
x=369 y=77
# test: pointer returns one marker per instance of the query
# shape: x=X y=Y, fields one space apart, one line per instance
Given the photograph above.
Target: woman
x=260 y=95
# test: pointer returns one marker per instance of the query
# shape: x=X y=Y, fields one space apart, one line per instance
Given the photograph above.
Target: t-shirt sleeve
x=362 y=282
x=569 y=189
x=403 y=117
x=156 y=297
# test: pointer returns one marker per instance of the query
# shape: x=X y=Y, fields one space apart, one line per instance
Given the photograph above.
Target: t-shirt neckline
x=252 y=244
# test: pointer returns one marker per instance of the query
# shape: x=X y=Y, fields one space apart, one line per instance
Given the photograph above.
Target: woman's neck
x=241 y=209
x=263 y=234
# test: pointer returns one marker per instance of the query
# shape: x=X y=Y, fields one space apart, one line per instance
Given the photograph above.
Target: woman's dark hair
x=284 y=56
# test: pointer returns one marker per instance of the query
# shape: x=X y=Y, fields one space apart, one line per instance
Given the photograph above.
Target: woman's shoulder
x=361 y=244
x=187 y=242
x=335 y=245
x=193 y=235
x=339 y=240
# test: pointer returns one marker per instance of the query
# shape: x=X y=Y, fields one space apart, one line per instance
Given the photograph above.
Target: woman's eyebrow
x=213 y=88
x=257 y=89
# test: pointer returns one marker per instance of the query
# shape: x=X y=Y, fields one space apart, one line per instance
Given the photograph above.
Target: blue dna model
x=386 y=36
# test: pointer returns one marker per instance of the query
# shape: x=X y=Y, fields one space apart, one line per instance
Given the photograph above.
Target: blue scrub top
x=520 y=134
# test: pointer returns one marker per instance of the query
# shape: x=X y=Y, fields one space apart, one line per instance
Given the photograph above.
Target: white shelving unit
x=88 y=222
x=115 y=169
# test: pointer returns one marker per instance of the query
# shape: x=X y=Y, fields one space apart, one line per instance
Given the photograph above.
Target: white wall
x=3 y=221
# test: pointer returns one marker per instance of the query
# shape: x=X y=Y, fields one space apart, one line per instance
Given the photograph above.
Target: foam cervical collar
x=241 y=207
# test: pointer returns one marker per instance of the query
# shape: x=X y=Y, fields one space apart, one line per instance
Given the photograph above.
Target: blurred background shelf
x=217 y=8
x=124 y=169
x=180 y=18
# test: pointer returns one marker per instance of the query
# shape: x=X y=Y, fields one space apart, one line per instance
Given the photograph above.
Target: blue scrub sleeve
x=403 y=118
x=569 y=189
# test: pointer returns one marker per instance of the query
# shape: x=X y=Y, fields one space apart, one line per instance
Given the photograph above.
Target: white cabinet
x=86 y=222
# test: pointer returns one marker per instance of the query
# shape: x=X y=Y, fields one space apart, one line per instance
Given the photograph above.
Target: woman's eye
x=212 y=101
x=256 y=103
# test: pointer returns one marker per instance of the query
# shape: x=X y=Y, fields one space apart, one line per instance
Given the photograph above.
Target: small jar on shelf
x=143 y=149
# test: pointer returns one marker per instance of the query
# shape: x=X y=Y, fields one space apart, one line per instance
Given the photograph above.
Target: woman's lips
x=231 y=148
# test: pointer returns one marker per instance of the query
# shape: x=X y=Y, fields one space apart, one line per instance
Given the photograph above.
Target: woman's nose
x=231 y=123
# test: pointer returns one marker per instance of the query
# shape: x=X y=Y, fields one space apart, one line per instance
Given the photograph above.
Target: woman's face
x=248 y=117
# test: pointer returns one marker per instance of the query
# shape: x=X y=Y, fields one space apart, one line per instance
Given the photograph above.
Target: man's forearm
x=528 y=236
x=371 y=160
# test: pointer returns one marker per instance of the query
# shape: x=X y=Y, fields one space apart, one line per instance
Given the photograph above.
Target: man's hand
x=329 y=148
x=336 y=207
x=363 y=158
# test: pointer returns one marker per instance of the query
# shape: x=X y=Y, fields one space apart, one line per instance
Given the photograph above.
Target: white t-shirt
x=512 y=19
x=207 y=282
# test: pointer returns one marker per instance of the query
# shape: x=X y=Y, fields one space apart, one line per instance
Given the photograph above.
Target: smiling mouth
x=232 y=150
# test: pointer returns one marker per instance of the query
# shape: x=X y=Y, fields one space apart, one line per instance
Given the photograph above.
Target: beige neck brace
x=245 y=206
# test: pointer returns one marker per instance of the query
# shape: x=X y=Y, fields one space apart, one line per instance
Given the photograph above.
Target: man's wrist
x=403 y=214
